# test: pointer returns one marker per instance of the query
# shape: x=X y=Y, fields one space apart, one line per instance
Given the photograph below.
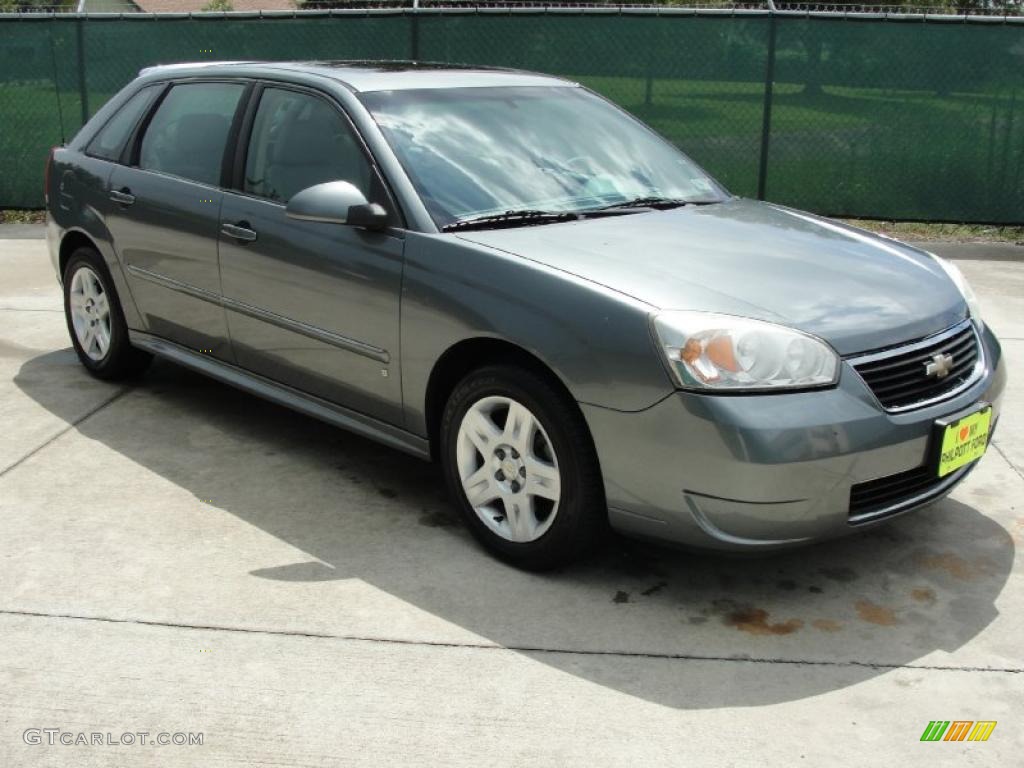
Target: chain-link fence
x=899 y=118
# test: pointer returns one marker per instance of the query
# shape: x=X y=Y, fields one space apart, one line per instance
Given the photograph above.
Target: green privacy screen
x=900 y=119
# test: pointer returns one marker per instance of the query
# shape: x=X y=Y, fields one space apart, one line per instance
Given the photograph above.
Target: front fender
x=596 y=340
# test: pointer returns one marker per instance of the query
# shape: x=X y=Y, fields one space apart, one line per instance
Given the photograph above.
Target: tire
x=511 y=512
x=95 y=320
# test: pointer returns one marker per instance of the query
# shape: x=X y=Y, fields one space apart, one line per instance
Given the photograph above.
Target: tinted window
x=187 y=135
x=299 y=140
x=109 y=142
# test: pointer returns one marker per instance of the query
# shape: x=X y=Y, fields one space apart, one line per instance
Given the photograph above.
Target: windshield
x=473 y=152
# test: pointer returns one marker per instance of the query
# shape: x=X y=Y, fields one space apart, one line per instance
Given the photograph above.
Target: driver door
x=309 y=304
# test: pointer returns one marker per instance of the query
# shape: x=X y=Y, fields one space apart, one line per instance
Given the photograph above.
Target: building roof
x=193 y=6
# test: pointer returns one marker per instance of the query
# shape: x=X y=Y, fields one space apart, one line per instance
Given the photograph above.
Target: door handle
x=239 y=231
x=122 y=196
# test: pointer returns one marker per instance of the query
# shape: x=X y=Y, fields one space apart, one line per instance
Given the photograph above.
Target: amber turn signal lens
x=720 y=352
x=691 y=352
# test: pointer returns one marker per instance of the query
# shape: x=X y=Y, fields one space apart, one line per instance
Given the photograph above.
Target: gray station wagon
x=506 y=273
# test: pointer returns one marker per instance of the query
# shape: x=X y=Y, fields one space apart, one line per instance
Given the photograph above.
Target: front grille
x=889 y=495
x=898 y=379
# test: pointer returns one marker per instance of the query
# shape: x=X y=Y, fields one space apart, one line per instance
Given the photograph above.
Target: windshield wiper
x=516 y=218
x=661 y=203
x=647 y=202
x=527 y=217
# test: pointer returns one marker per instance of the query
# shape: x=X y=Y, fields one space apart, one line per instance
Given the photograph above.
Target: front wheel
x=521 y=465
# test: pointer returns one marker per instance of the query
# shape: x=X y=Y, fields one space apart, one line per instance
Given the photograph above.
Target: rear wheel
x=521 y=465
x=95 y=320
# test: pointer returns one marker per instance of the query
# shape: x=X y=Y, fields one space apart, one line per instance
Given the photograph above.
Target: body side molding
x=318 y=334
x=316 y=407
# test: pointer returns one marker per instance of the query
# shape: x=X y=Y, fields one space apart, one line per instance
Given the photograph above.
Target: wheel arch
x=73 y=240
x=468 y=355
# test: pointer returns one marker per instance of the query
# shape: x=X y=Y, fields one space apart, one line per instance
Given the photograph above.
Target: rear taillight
x=46 y=175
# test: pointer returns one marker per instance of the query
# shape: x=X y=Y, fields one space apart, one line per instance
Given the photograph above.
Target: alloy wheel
x=90 y=313
x=508 y=468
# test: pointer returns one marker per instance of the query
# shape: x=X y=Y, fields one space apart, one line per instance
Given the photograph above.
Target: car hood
x=856 y=290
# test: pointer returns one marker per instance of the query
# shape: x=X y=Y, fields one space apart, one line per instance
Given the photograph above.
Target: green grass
x=950 y=233
x=22 y=217
x=871 y=152
x=34 y=121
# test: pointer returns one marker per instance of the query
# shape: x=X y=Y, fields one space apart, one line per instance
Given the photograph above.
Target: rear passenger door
x=310 y=304
x=165 y=212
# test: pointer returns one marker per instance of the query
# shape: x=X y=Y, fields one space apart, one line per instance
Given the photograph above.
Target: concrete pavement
x=176 y=556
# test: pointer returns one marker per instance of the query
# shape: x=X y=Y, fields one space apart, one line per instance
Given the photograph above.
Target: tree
x=28 y=6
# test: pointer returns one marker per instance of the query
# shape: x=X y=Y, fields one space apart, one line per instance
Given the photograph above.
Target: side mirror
x=336 y=202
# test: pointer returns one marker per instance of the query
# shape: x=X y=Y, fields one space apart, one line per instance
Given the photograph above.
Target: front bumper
x=768 y=471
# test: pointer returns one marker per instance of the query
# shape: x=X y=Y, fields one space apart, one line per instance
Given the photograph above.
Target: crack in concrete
x=1006 y=458
x=739 y=659
x=120 y=393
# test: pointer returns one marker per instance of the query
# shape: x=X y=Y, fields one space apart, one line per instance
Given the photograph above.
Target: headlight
x=723 y=352
x=960 y=281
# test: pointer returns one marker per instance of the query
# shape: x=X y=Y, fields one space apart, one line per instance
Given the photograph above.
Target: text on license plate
x=964 y=441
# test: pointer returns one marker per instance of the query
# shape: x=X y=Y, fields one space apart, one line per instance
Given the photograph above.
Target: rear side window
x=109 y=142
x=299 y=140
x=187 y=134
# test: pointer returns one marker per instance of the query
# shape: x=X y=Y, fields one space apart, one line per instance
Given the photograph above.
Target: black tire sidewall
x=577 y=520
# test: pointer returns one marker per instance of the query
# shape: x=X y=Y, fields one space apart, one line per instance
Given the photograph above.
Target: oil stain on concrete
x=876 y=614
x=755 y=621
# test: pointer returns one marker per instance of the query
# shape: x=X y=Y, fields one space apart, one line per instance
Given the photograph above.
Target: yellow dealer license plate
x=964 y=441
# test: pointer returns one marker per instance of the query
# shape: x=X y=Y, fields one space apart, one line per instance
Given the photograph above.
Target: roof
x=364 y=76
x=107 y=6
x=192 y=6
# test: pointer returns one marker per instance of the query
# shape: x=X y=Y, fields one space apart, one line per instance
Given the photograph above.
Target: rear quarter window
x=109 y=142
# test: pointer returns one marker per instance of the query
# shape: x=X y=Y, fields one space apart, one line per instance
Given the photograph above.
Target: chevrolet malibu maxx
x=504 y=272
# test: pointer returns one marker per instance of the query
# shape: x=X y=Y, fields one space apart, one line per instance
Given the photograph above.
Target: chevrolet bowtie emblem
x=939 y=366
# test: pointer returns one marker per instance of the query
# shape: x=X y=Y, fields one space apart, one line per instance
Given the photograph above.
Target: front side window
x=299 y=140
x=109 y=142
x=479 y=151
x=189 y=131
